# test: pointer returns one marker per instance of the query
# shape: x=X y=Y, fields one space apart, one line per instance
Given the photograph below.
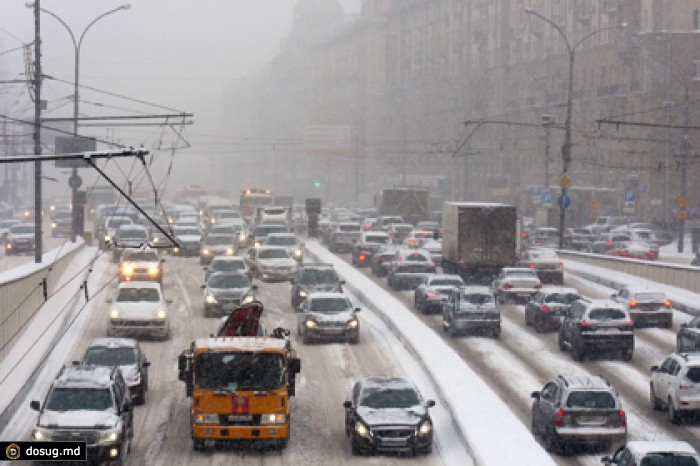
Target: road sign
x=565 y=181
x=536 y=194
x=547 y=199
x=313 y=205
x=681 y=202
x=630 y=196
x=630 y=207
x=564 y=202
x=72 y=145
x=682 y=215
x=594 y=203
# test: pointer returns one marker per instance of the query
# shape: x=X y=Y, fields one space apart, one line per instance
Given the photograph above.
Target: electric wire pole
x=38 y=234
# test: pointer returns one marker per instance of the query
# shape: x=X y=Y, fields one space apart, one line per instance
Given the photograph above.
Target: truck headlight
x=114 y=313
x=273 y=419
x=109 y=436
x=310 y=324
x=353 y=323
x=210 y=299
x=425 y=428
x=161 y=313
x=205 y=418
x=41 y=434
x=361 y=429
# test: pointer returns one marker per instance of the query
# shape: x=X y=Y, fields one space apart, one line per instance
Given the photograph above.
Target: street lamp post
x=566 y=147
x=74 y=179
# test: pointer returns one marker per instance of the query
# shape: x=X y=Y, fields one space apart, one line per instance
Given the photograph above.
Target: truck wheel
x=198 y=445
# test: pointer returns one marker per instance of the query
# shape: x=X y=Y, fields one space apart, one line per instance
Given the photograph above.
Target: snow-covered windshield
x=73 y=399
x=115 y=223
x=281 y=240
x=101 y=356
x=273 y=254
x=133 y=234
x=229 y=281
x=318 y=276
x=218 y=240
x=379 y=239
x=383 y=398
x=521 y=274
x=590 y=399
x=330 y=305
x=135 y=295
x=239 y=371
x=561 y=298
x=22 y=229
x=477 y=299
x=650 y=296
x=141 y=256
x=266 y=230
x=227 y=266
x=186 y=232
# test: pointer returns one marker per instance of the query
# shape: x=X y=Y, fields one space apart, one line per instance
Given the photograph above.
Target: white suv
x=675 y=385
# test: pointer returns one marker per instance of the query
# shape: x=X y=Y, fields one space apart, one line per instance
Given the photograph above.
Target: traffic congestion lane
x=328 y=371
x=523 y=356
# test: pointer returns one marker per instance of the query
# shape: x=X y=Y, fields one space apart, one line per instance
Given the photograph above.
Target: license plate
x=523 y=295
x=239 y=418
x=591 y=420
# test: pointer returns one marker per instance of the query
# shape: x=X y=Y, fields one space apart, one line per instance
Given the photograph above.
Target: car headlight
x=303 y=294
x=353 y=323
x=41 y=434
x=135 y=379
x=108 y=238
x=161 y=313
x=210 y=298
x=204 y=418
x=310 y=324
x=8 y=246
x=241 y=237
x=153 y=270
x=229 y=252
x=248 y=299
x=425 y=428
x=206 y=252
x=114 y=313
x=361 y=429
x=273 y=419
x=298 y=253
x=110 y=436
x=53 y=225
x=156 y=239
x=127 y=269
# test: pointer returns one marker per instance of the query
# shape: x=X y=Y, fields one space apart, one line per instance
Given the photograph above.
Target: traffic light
x=317 y=184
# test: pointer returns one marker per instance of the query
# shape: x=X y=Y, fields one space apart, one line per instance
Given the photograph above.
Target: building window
x=696 y=20
x=696 y=70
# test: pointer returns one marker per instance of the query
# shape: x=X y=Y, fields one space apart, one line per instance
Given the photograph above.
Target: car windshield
x=693 y=374
x=218 y=240
x=377 y=239
x=133 y=234
x=318 y=276
x=141 y=257
x=76 y=399
x=477 y=299
x=102 y=356
x=561 y=298
x=383 y=398
x=187 y=232
x=650 y=296
x=446 y=282
x=350 y=228
x=547 y=233
x=227 y=266
x=266 y=230
x=607 y=314
x=329 y=305
x=590 y=399
x=117 y=222
x=668 y=459
x=239 y=371
x=416 y=257
x=521 y=274
x=281 y=240
x=229 y=281
x=403 y=228
x=63 y=215
x=273 y=254
x=135 y=295
x=22 y=230
x=544 y=254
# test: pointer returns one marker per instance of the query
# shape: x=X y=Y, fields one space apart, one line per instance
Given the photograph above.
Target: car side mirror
x=535 y=395
x=613 y=296
x=203 y=286
x=109 y=300
x=294 y=365
x=342 y=282
x=35 y=405
x=358 y=309
x=430 y=403
x=654 y=368
x=347 y=404
x=169 y=301
x=254 y=287
x=146 y=364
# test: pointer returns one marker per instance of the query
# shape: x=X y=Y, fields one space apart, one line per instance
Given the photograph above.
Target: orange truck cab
x=240 y=388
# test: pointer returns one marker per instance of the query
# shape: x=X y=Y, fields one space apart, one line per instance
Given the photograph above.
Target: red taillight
x=633 y=304
x=623 y=418
x=523 y=234
x=667 y=303
x=585 y=324
x=610 y=243
x=430 y=294
x=537 y=287
x=362 y=257
x=544 y=308
x=561 y=265
x=627 y=325
x=538 y=241
x=464 y=266
x=381 y=259
x=558 y=420
x=531 y=265
x=507 y=286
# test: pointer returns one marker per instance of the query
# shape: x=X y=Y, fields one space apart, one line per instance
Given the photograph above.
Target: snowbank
x=493 y=433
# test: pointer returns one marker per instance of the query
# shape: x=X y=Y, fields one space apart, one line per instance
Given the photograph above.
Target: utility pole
x=684 y=167
x=547 y=122
x=38 y=234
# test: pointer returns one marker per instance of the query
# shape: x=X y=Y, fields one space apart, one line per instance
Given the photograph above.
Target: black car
x=369 y=243
x=597 y=325
x=314 y=278
x=388 y=415
x=227 y=264
x=408 y=268
x=225 y=291
x=125 y=353
x=688 y=339
x=548 y=306
x=381 y=260
x=432 y=292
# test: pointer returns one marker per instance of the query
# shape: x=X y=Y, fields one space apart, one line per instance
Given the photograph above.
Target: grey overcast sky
x=176 y=53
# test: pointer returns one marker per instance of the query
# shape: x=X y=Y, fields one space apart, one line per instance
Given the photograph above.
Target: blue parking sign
x=630 y=196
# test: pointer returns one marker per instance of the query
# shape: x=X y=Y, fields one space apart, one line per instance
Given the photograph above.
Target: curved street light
x=566 y=147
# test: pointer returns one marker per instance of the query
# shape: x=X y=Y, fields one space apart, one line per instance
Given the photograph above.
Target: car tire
x=528 y=321
x=140 y=398
x=627 y=354
x=354 y=340
x=497 y=332
x=577 y=353
x=562 y=342
x=673 y=415
x=305 y=338
x=653 y=399
x=551 y=444
x=198 y=445
x=355 y=448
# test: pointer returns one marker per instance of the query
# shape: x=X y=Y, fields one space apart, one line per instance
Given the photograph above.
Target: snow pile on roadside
x=493 y=433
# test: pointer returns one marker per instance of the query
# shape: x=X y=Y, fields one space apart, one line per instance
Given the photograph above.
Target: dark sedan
x=432 y=293
x=388 y=415
x=225 y=291
x=546 y=308
x=381 y=260
x=688 y=339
